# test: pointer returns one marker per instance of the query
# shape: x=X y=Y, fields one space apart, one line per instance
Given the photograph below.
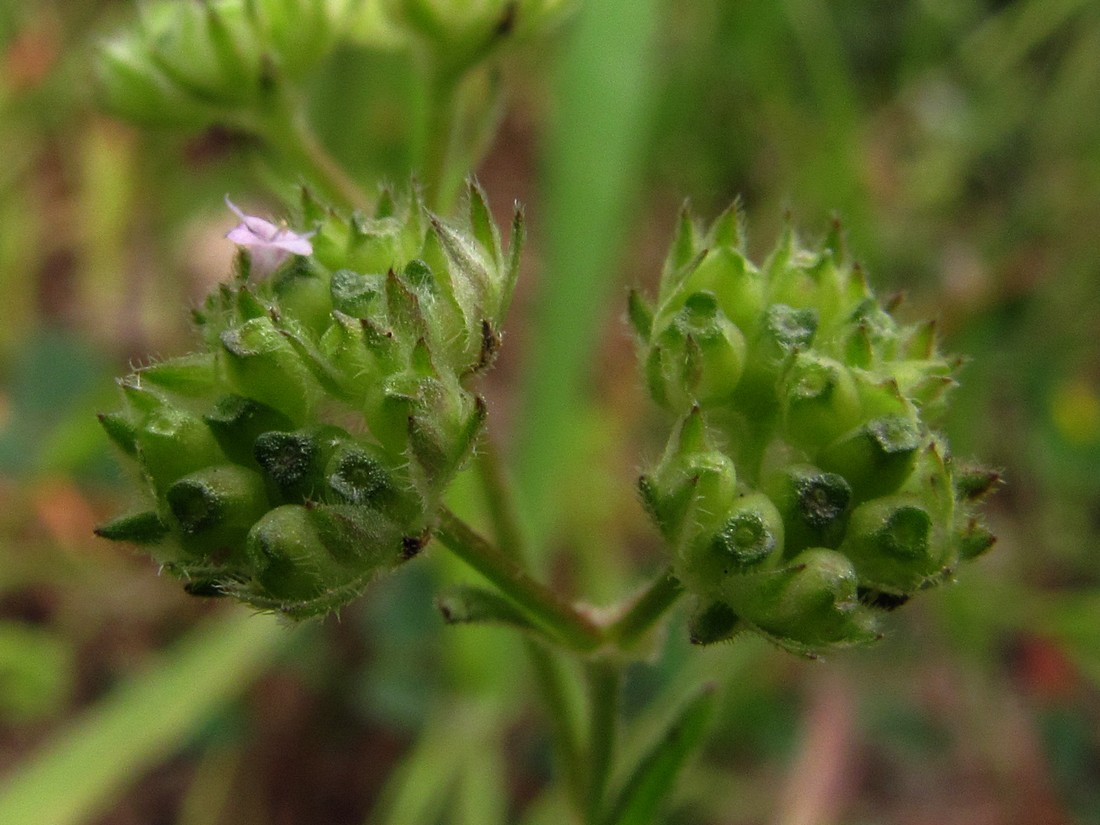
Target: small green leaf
x=728 y=229
x=515 y=249
x=685 y=243
x=648 y=785
x=136 y=528
x=972 y=482
x=482 y=223
x=468 y=604
x=713 y=623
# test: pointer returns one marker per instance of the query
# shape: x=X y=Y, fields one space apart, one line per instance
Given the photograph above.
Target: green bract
x=802 y=487
x=305 y=449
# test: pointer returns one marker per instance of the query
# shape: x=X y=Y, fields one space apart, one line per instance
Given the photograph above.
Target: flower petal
x=268 y=244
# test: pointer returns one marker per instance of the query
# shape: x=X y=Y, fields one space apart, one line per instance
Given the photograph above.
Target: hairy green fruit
x=306 y=448
x=793 y=384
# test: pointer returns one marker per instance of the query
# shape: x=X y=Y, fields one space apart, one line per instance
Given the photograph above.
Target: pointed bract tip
x=640 y=314
x=728 y=229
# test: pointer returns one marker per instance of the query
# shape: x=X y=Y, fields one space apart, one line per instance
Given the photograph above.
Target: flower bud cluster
x=188 y=64
x=191 y=64
x=305 y=449
x=802 y=488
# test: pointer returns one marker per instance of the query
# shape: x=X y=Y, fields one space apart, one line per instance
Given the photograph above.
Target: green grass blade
x=75 y=776
x=482 y=792
x=426 y=785
x=647 y=787
x=592 y=175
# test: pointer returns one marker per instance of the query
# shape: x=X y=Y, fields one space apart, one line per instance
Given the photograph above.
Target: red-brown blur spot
x=30 y=57
x=63 y=512
x=1044 y=670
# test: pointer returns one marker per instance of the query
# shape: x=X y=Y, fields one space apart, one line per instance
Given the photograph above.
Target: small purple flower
x=268 y=245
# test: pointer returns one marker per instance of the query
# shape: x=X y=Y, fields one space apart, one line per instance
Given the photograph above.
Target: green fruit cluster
x=191 y=64
x=305 y=449
x=802 y=489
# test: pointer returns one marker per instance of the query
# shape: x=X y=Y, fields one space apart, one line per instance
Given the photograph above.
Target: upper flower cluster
x=802 y=486
x=189 y=64
x=307 y=446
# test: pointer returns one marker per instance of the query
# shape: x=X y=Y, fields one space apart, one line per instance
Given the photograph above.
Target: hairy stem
x=648 y=606
x=552 y=676
x=544 y=606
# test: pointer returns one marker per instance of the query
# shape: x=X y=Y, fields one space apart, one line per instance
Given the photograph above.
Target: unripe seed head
x=216 y=497
x=172 y=442
x=877 y=457
x=847 y=502
x=262 y=365
x=237 y=421
x=306 y=448
x=358 y=477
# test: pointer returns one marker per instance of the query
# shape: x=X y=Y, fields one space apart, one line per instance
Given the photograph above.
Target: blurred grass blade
x=648 y=786
x=75 y=776
x=424 y=786
x=592 y=167
x=210 y=794
x=822 y=47
x=561 y=697
x=1006 y=38
x=482 y=795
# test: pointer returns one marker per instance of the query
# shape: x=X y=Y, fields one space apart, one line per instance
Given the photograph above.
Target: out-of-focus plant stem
x=604 y=684
x=552 y=681
x=286 y=128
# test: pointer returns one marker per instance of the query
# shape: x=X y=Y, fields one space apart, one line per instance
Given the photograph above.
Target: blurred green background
x=959 y=143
